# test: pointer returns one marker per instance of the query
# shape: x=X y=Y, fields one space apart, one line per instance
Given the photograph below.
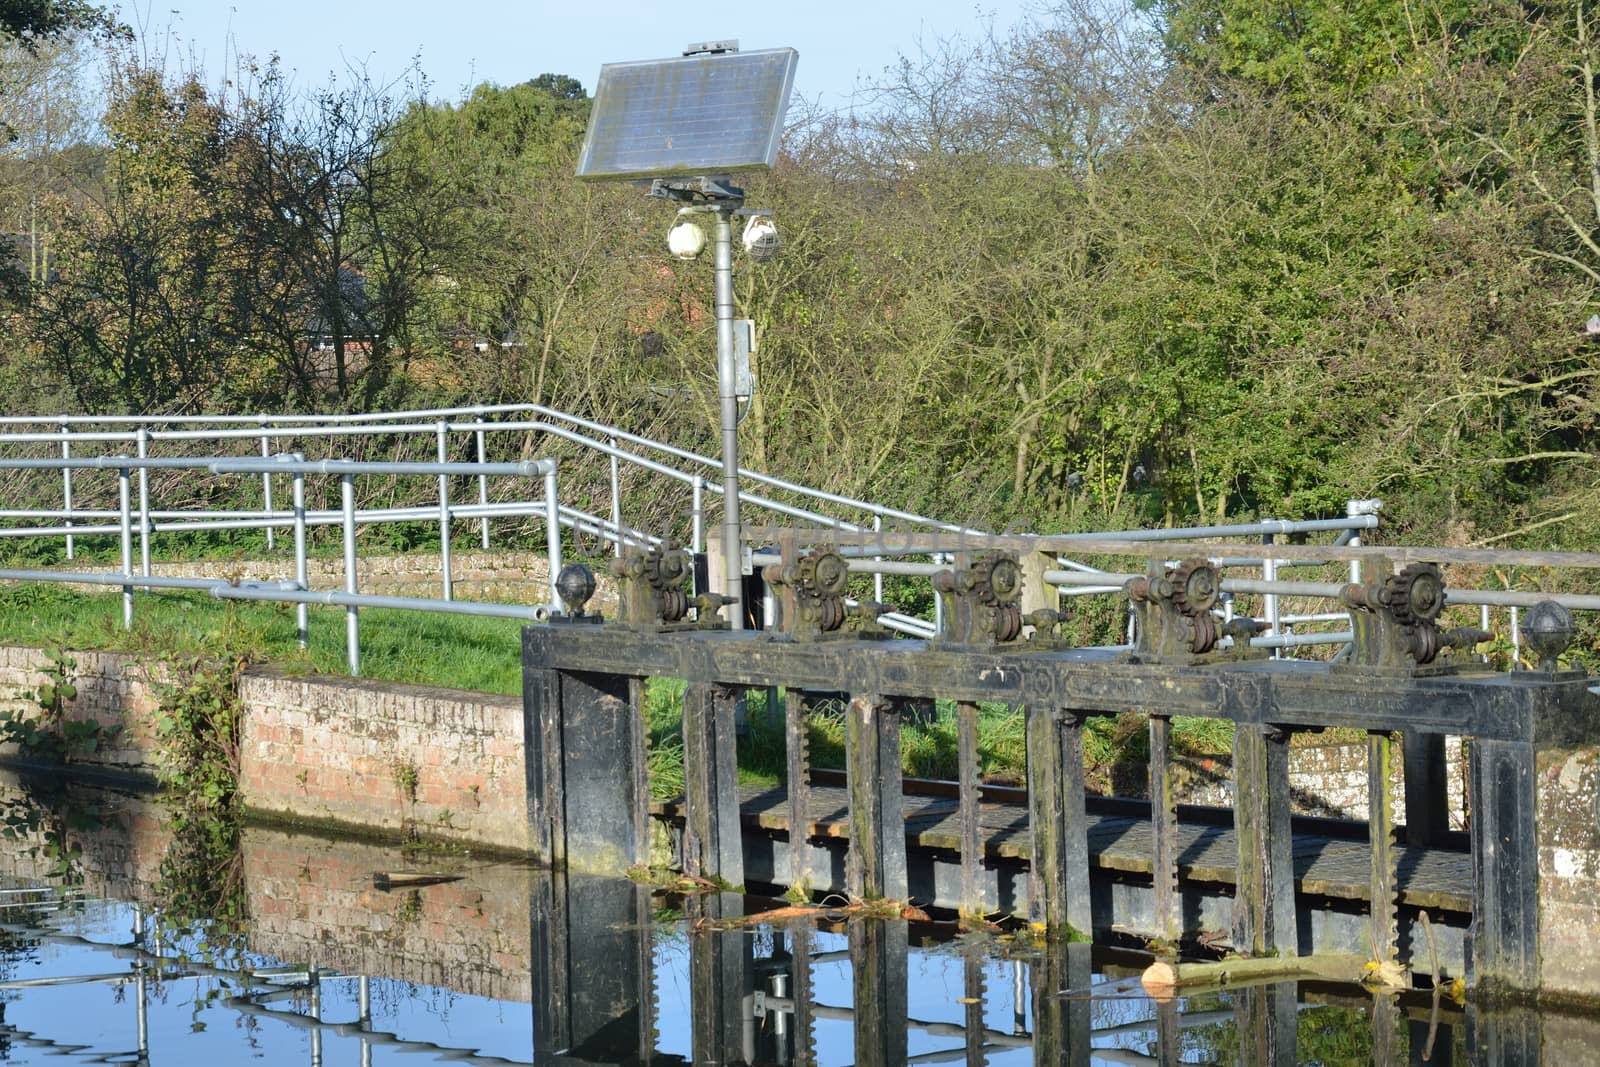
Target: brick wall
x=1569 y=870
x=115 y=690
x=498 y=577
x=1328 y=780
x=313 y=900
x=122 y=839
x=438 y=763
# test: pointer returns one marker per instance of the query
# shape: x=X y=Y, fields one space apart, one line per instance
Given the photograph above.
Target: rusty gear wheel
x=1205 y=633
x=1007 y=623
x=1195 y=585
x=1416 y=594
x=674 y=605
x=1005 y=578
x=829 y=574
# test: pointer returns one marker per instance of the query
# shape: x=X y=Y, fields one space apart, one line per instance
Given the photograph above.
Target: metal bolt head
x=1548 y=629
x=575 y=584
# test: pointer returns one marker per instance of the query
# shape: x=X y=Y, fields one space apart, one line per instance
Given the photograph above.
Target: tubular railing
x=257 y=436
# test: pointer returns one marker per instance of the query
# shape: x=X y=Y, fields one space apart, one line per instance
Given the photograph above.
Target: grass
x=402 y=646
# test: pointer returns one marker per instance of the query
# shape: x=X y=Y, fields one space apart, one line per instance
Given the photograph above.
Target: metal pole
x=364 y=1008
x=697 y=533
x=126 y=515
x=616 y=504
x=1269 y=573
x=144 y=505
x=732 y=537
x=483 y=491
x=877 y=579
x=266 y=485
x=315 y=983
x=552 y=522
x=66 y=484
x=1516 y=641
x=444 y=514
x=352 y=620
x=301 y=630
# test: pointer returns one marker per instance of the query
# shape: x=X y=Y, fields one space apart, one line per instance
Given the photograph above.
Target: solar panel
x=688 y=116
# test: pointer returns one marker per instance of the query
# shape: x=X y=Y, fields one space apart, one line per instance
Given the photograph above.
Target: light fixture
x=686 y=240
x=760 y=238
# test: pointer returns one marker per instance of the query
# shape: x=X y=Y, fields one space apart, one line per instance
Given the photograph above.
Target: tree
x=142 y=314
x=32 y=21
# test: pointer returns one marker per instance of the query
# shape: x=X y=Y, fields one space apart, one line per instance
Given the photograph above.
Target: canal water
x=128 y=935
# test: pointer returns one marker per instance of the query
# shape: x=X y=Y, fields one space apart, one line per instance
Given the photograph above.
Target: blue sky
x=462 y=42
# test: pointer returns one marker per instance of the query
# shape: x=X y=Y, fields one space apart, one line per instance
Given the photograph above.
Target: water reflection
x=308 y=959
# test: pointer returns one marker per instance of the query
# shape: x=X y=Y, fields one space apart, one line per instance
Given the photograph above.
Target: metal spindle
x=66 y=485
x=266 y=486
x=616 y=503
x=877 y=579
x=144 y=505
x=352 y=620
x=126 y=515
x=301 y=575
x=483 y=490
x=697 y=542
x=552 y=520
x=447 y=584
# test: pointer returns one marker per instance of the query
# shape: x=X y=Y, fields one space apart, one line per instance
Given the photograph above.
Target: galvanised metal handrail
x=297 y=591
x=642 y=453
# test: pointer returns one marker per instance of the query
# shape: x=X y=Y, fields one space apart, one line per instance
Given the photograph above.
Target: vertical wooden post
x=877 y=863
x=584 y=766
x=878 y=969
x=1058 y=876
x=1265 y=1019
x=972 y=991
x=805 y=1038
x=721 y=979
x=593 y=982
x=1264 y=919
x=1427 y=787
x=797 y=745
x=1164 y=824
x=972 y=903
x=713 y=844
x=541 y=763
x=1505 y=866
x=1062 y=1017
x=1036 y=593
x=1385 y=909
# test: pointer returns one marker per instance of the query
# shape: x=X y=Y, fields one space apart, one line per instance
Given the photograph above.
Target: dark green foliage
x=197 y=726
x=50 y=735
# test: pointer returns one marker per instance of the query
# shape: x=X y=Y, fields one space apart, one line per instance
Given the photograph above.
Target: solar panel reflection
x=687 y=117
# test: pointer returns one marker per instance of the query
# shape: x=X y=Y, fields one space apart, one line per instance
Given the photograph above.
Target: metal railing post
x=301 y=629
x=352 y=620
x=552 y=519
x=1516 y=641
x=877 y=579
x=444 y=514
x=483 y=490
x=125 y=512
x=1269 y=572
x=144 y=505
x=616 y=504
x=66 y=485
x=266 y=486
x=697 y=516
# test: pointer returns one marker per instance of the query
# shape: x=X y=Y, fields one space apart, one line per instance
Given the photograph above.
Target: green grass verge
x=401 y=646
